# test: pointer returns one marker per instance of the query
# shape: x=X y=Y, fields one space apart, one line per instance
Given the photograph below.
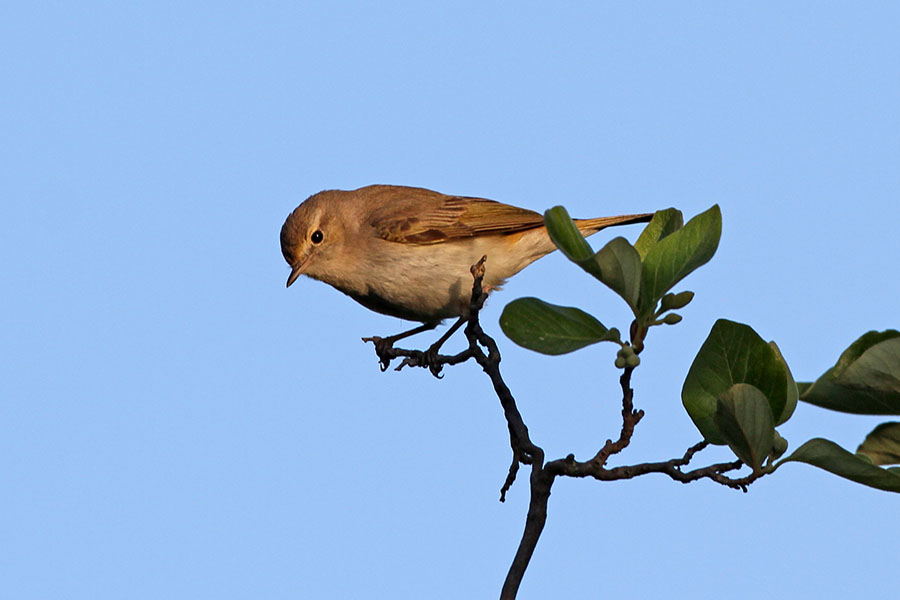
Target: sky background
x=176 y=424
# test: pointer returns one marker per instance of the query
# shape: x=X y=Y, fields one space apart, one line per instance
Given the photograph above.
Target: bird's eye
x=317 y=237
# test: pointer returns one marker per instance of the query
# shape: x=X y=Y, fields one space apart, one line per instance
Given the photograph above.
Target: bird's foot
x=432 y=359
x=384 y=347
x=429 y=359
x=384 y=350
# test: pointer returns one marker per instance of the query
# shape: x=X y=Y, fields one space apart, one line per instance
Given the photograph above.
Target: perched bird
x=407 y=252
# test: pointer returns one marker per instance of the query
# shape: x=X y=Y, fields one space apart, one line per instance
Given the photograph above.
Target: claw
x=384 y=349
x=430 y=359
x=382 y=346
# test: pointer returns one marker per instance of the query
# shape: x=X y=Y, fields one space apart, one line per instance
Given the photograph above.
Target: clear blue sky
x=176 y=424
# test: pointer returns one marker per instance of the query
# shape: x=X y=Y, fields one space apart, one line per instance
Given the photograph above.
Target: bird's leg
x=383 y=346
x=431 y=355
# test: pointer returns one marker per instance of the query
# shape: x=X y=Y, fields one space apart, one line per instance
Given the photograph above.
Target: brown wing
x=419 y=216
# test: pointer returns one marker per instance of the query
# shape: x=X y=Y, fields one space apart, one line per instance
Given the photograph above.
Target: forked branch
x=483 y=349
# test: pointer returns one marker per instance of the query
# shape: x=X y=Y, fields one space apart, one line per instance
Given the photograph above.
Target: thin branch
x=630 y=419
x=483 y=349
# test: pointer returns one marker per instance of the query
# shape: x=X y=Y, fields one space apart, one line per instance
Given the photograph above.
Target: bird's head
x=311 y=235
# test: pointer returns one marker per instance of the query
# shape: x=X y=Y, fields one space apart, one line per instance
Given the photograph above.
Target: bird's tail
x=589 y=226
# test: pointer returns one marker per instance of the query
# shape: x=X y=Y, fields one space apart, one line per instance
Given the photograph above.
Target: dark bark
x=483 y=349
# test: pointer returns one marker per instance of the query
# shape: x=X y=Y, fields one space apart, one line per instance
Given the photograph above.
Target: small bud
x=675 y=301
x=625 y=352
x=671 y=319
x=620 y=363
x=633 y=360
x=779 y=446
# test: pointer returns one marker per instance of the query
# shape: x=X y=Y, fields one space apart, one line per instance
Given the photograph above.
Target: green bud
x=671 y=319
x=633 y=360
x=779 y=446
x=675 y=301
x=620 y=363
x=625 y=352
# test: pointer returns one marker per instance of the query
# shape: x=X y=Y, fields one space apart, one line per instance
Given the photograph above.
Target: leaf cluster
x=739 y=387
x=641 y=274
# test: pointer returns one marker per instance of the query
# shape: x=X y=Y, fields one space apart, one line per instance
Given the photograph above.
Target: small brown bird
x=406 y=251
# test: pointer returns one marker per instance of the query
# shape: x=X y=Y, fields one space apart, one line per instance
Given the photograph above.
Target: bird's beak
x=295 y=273
x=298 y=269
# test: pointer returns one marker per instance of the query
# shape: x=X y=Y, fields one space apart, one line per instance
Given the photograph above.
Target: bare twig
x=483 y=349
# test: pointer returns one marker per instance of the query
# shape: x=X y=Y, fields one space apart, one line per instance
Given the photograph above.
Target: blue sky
x=176 y=424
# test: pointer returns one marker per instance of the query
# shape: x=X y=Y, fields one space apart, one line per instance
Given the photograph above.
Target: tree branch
x=483 y=349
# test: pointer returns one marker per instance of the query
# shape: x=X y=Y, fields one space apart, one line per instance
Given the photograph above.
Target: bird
x=407 y=251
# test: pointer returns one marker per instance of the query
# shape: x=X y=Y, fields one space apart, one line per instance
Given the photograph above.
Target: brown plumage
x=406 y=251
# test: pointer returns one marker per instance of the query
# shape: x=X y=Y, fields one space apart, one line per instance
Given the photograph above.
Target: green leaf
x=827 y=455
x=565 y=234
x=865 y=379
x=733 y=353
x=620 y=269
x=792 y=393
x=663 y=223
x=551 y=329
x=676 y=255
x=882 y=446
x=567 y=237
x=617 y=264
x=744 y=419
x=855 y=350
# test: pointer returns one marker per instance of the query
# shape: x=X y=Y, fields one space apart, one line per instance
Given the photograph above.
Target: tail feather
x=589 y=226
